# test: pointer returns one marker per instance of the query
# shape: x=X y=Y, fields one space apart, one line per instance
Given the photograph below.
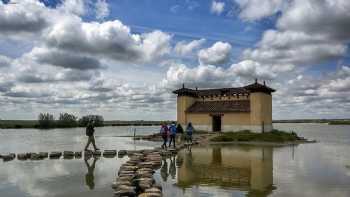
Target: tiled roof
x=255 y=87
x=219 y=106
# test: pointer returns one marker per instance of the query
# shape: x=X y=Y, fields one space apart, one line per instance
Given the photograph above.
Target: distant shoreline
x=26 y=124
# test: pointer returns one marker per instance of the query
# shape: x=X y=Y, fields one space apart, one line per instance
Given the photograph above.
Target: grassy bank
x=247 y=136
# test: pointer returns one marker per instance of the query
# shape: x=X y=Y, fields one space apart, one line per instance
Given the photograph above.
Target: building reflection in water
x=243 y=168
x=89 y=177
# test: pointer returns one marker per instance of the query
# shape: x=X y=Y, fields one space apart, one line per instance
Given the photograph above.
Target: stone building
x=226 y=109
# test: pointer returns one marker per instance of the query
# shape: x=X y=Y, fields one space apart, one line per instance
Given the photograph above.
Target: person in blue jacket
x=172 y=130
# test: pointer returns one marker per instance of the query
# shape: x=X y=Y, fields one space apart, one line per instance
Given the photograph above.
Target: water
x=321 y=169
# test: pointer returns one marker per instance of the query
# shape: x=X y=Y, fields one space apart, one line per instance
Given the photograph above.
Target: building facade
x=226 y=109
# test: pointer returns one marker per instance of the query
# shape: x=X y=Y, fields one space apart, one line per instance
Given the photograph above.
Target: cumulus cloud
x=24 y=17
x=217 y=7
x=110 y=39
x=101 y=9
x=186 y=48
x=257 y=9
x=219 y=53
x=214 y=76
x=64 y=59
x=307 y=33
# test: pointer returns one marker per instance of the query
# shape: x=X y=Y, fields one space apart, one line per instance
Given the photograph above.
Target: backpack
x=164 y=131
x=172 y=129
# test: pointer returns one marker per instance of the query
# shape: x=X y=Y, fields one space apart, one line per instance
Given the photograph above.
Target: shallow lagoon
x=320 y=169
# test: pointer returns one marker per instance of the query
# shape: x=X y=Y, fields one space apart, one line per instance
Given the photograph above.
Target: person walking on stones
x=164 y=130
x=90 y=133
x=172 y=130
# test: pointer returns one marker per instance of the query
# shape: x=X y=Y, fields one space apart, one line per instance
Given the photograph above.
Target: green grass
x=247 y=136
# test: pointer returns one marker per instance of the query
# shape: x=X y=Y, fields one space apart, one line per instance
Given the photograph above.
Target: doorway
x=216 y=123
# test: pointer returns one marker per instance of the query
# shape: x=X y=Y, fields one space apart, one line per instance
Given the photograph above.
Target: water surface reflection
x=246 y=169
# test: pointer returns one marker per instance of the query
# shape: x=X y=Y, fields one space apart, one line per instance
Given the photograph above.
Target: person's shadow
x=89 y=177
x=164 y=170
x=172 y=168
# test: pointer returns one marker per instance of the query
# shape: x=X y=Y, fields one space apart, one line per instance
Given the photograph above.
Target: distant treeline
x=47 y=121
x=65 y=120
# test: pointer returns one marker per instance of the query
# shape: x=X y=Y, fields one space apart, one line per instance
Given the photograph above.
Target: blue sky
x=123 y=58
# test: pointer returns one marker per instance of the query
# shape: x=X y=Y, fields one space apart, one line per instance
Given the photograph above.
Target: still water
x=321 y=169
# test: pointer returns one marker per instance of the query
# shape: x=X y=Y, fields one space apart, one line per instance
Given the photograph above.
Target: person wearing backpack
x=164 y=133
x=90 y=133
x=172 y=130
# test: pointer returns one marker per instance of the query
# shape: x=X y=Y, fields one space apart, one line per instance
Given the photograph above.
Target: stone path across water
x=58 y=155
x=135 y=177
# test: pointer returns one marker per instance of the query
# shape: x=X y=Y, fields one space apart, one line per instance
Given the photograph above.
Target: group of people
x=170 y=132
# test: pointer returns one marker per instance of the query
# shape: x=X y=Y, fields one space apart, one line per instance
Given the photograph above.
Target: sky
x=123 y=58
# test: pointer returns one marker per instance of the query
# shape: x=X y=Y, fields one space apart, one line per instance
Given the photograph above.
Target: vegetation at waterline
x=339 y=122
x=47 y=121
x=248 y=136
x=67 y=120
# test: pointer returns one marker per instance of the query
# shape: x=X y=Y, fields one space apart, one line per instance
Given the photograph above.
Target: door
x=216 y=123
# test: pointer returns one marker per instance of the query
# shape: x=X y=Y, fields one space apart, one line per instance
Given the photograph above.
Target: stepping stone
x=9 y=157
x=122 y=153
x=22 y=156
x=68 y=154
x=55 y=155
x=97 y=153
x=126 y=192
x=43 y=155
x=109 y=153
x=78 y=155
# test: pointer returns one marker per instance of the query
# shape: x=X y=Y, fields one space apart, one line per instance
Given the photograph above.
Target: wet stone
x=55 y=155
x=22 y=156
x=121 y=153
x=43 y=155
x=78 y=154
x=9 y=157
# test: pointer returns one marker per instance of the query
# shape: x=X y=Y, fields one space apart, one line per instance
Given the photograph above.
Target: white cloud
x=77 y=7
x=219 y=53
x=111 y=39
x=24 y=17
x=217 y=7
x=257 y=9
x=214 y=76
x=308 y=32
x=186 y=48
x=101 y=9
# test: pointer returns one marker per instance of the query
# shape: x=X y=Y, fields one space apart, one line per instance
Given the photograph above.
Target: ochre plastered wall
x=260 y=108
x=199 y=119
x=242 y=118
x=183 y=102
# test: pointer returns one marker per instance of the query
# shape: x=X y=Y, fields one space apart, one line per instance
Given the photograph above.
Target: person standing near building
x=172 y=130
x=164 y=133
x=189 y=132
x=90 y=133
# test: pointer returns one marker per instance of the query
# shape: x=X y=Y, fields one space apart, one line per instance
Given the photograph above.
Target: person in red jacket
x=164 y=133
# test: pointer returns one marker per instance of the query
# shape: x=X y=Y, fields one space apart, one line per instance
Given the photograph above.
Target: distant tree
x=83 y=121
x=67 y=120
x=46 y=120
